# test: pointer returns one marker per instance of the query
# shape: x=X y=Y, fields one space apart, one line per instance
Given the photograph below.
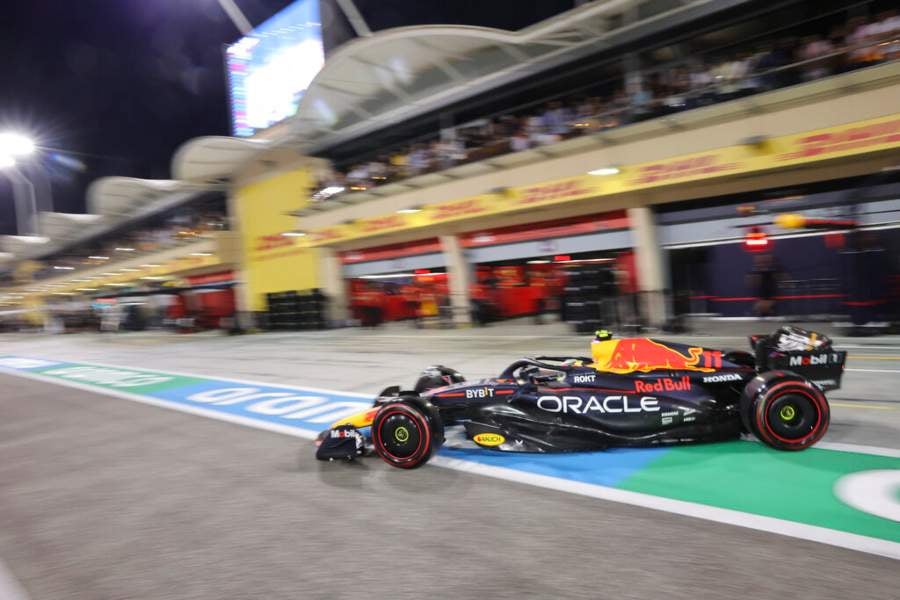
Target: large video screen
x=270 y=68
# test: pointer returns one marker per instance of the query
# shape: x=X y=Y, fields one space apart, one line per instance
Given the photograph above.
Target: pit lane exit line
x=652 y=478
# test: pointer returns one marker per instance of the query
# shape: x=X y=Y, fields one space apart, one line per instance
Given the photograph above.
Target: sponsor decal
x=480 y=393
x=609 y=404
x=381 y=223
x=694 y=166
x=264 y=243
x=667 y=384
x=489 y=439
x=826 y=358
x=553 y=191
x=584 y=378
x=450 y=210
x=401 y=434
x=852 y=138
x=326 y=235
x=116 y=378
x=723 y=377
x=282 y=404
x=645 y=355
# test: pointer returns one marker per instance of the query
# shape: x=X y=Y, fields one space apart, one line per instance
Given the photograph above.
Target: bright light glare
x=7 y=162
x=15 y=144
x=294 y=234
x=605 y=171
x=389 y=276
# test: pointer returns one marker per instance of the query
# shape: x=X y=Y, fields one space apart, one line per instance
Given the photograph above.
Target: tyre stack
x=311 y=311
x=284 y=310
x=589 y=299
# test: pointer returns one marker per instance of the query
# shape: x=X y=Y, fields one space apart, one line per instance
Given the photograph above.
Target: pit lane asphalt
x=105 y=498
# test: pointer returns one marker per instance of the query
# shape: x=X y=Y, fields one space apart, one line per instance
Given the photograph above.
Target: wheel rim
x=792 y=417
x=400 y=435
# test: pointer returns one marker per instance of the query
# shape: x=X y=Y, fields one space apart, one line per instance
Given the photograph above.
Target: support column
x=243 y=312
x=331 y=278
x=459 y=273
x=652 y=268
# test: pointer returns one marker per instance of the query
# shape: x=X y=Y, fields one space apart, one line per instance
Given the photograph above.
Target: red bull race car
x=629 y=392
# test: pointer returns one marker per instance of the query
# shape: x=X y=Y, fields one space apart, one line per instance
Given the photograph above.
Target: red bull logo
x=665 y=384
x=645 y=355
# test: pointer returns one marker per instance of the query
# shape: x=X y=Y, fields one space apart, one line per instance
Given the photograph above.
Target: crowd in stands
x=181 y=228
x=690 y=84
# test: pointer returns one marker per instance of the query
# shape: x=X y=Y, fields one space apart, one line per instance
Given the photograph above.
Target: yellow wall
x=271 y=262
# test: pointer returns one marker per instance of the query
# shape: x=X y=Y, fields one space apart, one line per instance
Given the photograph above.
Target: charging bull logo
x=645 y=355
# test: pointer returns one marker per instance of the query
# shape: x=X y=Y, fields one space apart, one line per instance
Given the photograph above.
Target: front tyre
x=788 y=414
x=403 y=435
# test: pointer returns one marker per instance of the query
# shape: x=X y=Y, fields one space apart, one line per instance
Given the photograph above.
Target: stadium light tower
x=15 y=145
x=12 y=146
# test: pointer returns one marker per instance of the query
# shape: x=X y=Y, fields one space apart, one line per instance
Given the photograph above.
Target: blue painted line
x=608 y=468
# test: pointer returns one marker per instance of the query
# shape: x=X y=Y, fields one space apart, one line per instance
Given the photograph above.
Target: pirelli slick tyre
x=785 y=411
x=405 y=435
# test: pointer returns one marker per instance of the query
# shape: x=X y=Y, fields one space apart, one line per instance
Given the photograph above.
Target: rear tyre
x=404 y=436
x=789 y=414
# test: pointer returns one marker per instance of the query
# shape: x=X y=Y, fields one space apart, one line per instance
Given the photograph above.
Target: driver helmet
x=601 y=335
x=437 y=376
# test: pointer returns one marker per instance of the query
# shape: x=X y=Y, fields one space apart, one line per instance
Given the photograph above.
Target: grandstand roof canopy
x=389 y=77
x=376 y=81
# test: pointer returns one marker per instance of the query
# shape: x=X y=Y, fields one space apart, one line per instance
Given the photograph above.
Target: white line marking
x=813 y=533
x=874 y=450
x=710 y=513
x=873 y=370
x=213 y=377
x=10 y=588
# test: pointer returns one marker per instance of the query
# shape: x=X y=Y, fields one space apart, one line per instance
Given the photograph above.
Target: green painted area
x=135 y=381
x=753 y=478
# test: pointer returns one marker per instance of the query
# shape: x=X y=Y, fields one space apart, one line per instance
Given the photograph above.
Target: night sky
x=118 y=85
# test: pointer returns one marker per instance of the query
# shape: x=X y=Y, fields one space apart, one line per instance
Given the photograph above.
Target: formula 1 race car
x=630 y=392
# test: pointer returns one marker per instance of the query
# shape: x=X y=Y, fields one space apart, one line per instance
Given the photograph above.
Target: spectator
x=814 y=52
x=419 y=160
x=520 y=141
x=556 y=119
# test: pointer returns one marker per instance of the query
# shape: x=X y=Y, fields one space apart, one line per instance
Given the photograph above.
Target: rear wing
x=816 y=361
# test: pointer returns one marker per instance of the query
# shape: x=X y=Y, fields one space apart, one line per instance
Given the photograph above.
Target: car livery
x=630 y=392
